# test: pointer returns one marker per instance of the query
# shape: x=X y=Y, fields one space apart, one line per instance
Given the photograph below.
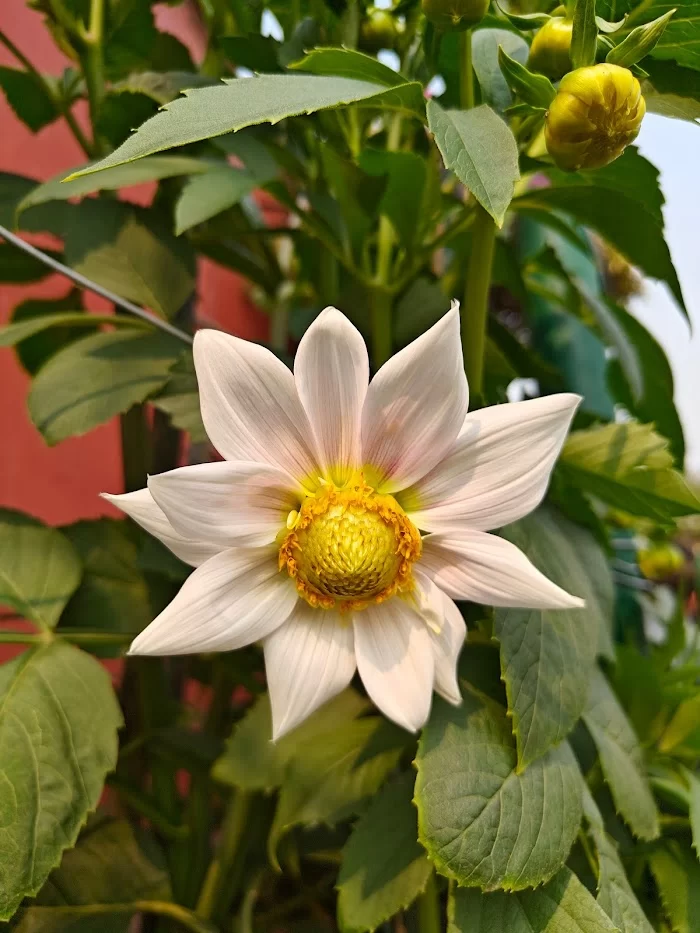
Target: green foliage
x=677 y=874
x=584 y=34
x=29 y=97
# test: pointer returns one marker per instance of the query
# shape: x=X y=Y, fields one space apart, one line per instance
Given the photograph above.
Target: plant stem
x=428 y=908
x=21 y=638
x=217 y=878
x=380 y=309
x=93 y=66
x=184 y=917
x=466 y=70
x=476 y=298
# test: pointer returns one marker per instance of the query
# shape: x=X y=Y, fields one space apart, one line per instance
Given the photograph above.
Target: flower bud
x=595 y=115
x=549 y=52
x=454 y=15
x=661 y=561
x=378 y=30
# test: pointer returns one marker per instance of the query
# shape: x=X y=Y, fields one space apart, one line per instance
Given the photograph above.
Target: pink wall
x=61 y=484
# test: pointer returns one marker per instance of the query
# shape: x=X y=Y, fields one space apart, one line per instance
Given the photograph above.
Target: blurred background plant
x=385 y=161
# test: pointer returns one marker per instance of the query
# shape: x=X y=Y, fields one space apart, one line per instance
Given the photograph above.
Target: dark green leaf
x=121 y=111
x=422 y=305
x=383 y=868
x=180 y=400
x=485 y=51
x=41 y=327
x=28 y=98
x=18 y=268
x=347 y=63
x=205 y=196
x=58 y=739
x=162 y=87
x=672 y=91
x=258 y=53
x=93 y=379
x=411 y=198
x=680 y=39
x=468 y=789
x=39 y=569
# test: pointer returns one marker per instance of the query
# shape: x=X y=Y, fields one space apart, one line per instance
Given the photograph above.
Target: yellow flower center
x=349 y=547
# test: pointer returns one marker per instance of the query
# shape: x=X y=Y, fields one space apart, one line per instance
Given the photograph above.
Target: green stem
x=184 y=917
x=476 y=298
x=93 y=65
x=21 y=638
x=428 y=908
x=380 y=310
x=96 y=638
x=466 y=70
x=218 y=877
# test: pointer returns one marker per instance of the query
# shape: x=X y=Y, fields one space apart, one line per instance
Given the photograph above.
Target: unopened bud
x=454 y=15
x=661 y=561
x=378 y=30
x=549 y=52
x=595 y=115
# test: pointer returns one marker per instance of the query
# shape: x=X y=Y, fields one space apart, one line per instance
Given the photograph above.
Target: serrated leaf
x=629 y=466
x=547 y=656
x=95 y=378
x=39 y=569
x=479 y=147
x=621 y=758
x=205 y=196
x=680 y=38
x=383 y=867
x=239 y=102
x=28 y=98
x=468 y=791
x=563 y=905
x=17 y=331
x=58 y=739
x=676 y=871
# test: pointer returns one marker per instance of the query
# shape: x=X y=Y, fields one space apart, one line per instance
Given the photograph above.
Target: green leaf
x=485 y=53
x=58 y=739
x=95 y=378
x=478 y=146
x=131 y=252
x=180 y=400
x=204 y=196
x=548 y=656
x=563 y=904
x=680 y=39
x=39 y=569
x=239 y=102
x=21 y=330
x=621 y=758
x=639 y=42
x=150 y=169
x=38 y=342
x=120 y=111
x=162 y=86
x=684 y=722
x=28 y=98
x=107 y=866
x=629 y=466
x=383 y=868
x=18 y=268
x=347 y=63
x=584 y=34
x=677 y=873
x=113 y=596
x=672 y=91
x=693 y=782
x=468 y=791
x=534 y=89
x=258 y=53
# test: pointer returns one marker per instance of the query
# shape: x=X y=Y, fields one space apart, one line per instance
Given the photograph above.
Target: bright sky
x=674 y=147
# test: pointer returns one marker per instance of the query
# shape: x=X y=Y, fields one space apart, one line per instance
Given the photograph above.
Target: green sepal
x=533 y=89
x=638 y=43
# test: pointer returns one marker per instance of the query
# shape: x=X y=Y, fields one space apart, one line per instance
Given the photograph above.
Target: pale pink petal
x=308 y=661
x=415 y=407
x=250 y=406
x=395 y=661
x=486 y=569
x=499 y=468
x=331 y=371
x=141 y=506
x=231 y=503
x=235 y=598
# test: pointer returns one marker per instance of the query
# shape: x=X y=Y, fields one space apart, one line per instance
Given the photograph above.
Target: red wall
x=62 y=484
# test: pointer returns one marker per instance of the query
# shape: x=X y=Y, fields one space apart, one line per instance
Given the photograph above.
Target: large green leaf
x=18 y=268
x=180 y=400
x=107 y=866
x=563 y=905
x=28 y=98
x=621 y=758
x=39 y=569
x=468 y=792
x=629 y=466
x=348 y=63
x=478 y=146
x=485 y=45
x=95 y=378
x=676 y=871
x=383 y=868
x=681 y=38
x=548 y=656
x=239 y=102
x=58 y=739
x=131 y=252
x=204 y=196
x=672 y=91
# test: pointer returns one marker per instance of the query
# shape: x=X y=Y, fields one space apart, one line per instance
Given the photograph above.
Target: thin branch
x=91 y=286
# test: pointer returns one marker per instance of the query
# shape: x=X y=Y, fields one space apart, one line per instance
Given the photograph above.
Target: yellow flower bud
x=378 y=30
x=454 y=15
x=661 y=561
x=549 y=52
x=596 y=114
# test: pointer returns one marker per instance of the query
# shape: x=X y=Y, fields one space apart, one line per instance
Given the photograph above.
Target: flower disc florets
x=596 y=114
x=349 y=547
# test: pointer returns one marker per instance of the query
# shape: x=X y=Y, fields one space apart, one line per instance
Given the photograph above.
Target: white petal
x=331 y=371
x=232 y=600
x=230 y=503
x=141 y=506
x=415 y=407
x=395 y=661
x=448 y=645
x=499 y=468
x=250 y=406
x=487 y=569
x=308 y=661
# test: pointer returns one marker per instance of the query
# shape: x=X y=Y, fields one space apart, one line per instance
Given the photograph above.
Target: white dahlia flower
x=348 y=515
